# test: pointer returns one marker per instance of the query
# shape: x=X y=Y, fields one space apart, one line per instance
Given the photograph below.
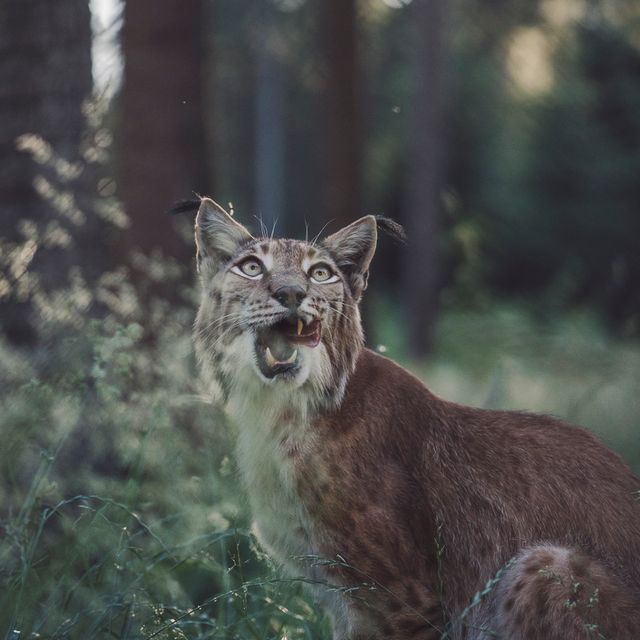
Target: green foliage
x=121 y=513
x=544 y=186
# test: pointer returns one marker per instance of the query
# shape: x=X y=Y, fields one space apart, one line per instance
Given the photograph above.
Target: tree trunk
x=163 y=128
x=342 y=170
x=422 y=272
x=269 y=161
x=45 y=74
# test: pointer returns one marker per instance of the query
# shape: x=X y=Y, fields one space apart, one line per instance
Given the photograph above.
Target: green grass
x=122 y=514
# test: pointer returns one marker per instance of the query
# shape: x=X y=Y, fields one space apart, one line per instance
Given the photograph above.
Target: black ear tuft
x=185 y=206
x=391 y=228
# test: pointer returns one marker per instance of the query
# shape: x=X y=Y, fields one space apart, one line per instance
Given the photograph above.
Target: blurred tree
x=582 y=183
x=421 y=282
x=163 y=129
x=232 y=85
x=45 y=74
x=270 y=122
x=337 y=30
x=487 y=25
x=544 y=179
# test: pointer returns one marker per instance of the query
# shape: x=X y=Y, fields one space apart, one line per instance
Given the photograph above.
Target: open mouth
x=277 y=346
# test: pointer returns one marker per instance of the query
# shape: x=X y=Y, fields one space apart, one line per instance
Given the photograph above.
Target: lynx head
x=280 y=313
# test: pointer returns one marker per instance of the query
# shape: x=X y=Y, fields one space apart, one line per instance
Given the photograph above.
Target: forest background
x=503 y=134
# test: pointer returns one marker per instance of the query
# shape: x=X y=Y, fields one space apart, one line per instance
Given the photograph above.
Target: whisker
x=222 y=335
x=220 y=320
x=216 y=322
x=350 y=305
x=267 y=316
x=340 y=313
x=263 y=227
x=313 y=242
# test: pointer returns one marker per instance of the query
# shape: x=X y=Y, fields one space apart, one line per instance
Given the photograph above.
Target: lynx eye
x=250 y=268
x=322 y=273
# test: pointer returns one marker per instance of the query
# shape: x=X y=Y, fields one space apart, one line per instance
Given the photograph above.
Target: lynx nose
x=290 y=296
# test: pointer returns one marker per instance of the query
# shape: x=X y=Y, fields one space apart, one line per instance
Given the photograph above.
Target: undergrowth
x=121 y=513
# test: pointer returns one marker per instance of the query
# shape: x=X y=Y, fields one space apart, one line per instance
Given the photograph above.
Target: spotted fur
x=434 y=520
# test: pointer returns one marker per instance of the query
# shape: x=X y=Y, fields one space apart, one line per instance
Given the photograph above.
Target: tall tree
x=45 y=74
x=270 y=124
x=343 y=140
x=163 y=128
x=421 y=271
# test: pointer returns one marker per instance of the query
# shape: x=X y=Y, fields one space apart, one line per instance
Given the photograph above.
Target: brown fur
x=438 y=520
x=411 y=474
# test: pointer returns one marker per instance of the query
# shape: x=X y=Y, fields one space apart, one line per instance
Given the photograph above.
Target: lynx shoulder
x=415 y=504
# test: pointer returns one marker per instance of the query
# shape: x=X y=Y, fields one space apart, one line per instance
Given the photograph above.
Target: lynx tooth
x=268 y=356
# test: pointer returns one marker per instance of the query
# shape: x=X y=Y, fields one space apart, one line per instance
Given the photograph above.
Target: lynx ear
x=352 y=248
x=218 y=235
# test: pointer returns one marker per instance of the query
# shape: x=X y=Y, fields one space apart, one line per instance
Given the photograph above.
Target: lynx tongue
x=277 y=345
x=278 y=350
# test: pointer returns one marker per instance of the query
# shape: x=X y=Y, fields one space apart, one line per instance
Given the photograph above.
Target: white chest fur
x=275 y=443
x=273 y=432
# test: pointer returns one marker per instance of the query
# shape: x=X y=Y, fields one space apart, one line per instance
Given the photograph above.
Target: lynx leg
x=557 y=593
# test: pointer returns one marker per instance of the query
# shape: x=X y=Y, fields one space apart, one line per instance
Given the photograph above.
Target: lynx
x=430 y=519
